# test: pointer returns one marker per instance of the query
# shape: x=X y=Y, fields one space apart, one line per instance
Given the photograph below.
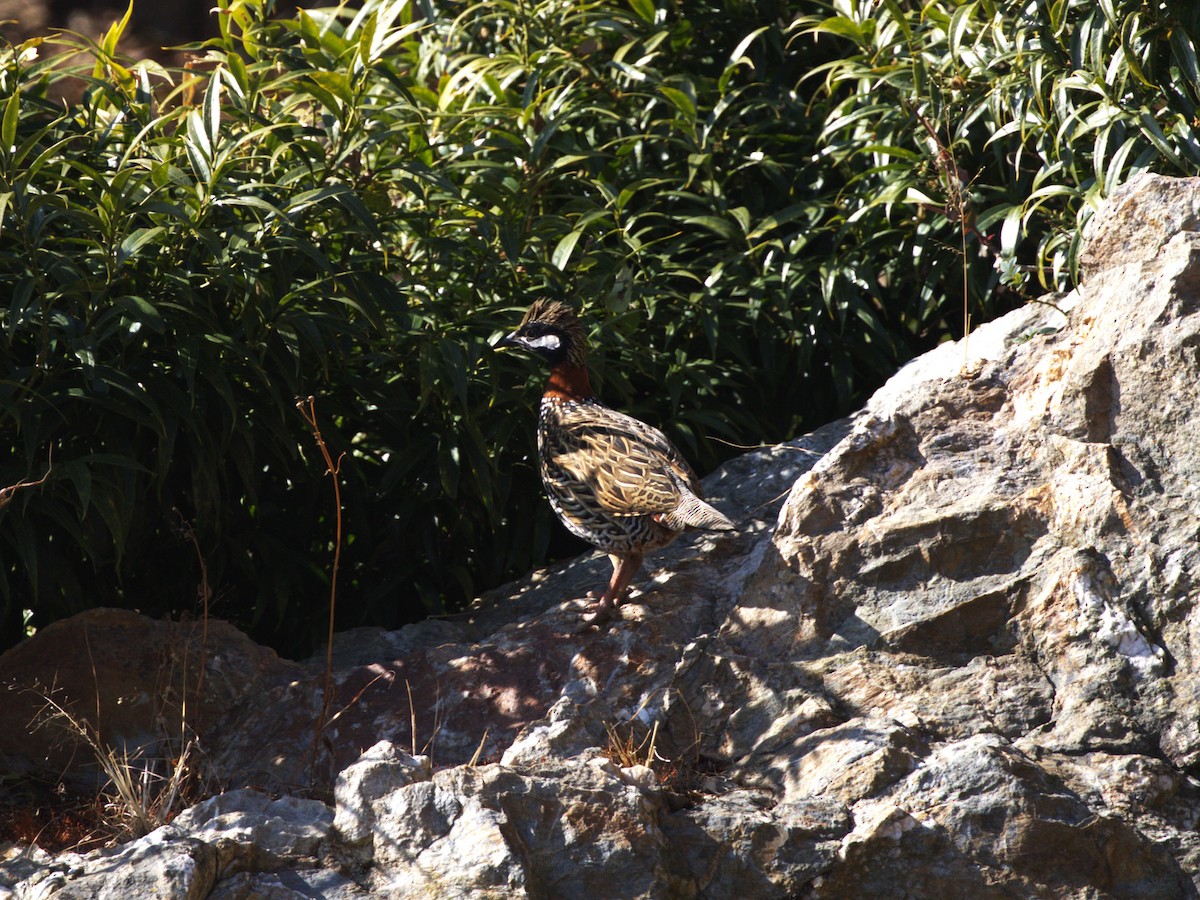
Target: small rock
x=381 y=770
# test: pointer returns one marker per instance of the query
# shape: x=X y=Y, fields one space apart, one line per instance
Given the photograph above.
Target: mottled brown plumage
x=613 y=480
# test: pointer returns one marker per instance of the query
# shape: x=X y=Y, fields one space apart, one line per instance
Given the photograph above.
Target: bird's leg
x=624 y=568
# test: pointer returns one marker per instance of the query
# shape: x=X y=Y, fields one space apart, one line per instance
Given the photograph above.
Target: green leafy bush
x=746 y=200
x=995 y=128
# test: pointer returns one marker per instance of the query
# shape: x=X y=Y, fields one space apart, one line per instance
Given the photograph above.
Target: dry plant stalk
x=681 y=773
x=479 y=750
x=957 y=208
x=626 y=752
x=412 y=719
x=308 y=409
x=437 y=722
x=7 y=493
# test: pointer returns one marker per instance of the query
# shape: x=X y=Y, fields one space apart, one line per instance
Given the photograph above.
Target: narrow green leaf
x=1010 y=232
x=334 y=84
x=1183 y=48
x=367 y=38
x=137 y=240
x=680 y=101
x=563 y=250
x=842 y=27
x=738 y=58
x=113 y=36
x=960 y=22
x=212 y=113
x=251 y=202
x=715 y=224
x=80 y=475
x=143 y=312
x=1152 y=130
x=899 y=17
x=1129 y=51
x=238 y=75
x=1114 y=170
x=8 y=130
x=644 y=10
x=198 y=137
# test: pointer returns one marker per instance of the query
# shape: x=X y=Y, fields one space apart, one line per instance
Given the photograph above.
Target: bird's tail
x=695 y=513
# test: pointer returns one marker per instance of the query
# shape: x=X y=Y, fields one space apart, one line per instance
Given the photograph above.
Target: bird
x=613 y=480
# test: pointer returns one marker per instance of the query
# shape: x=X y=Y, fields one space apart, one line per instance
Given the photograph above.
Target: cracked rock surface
x=954 y=651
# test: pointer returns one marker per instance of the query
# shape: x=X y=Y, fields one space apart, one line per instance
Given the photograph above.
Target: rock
x=743 y=844
x=953 y=651
x=1006 y=814
x=888 y=853
x=126 y=678
x=253 y=831
x=185 y=869
x=845 y=763
x=574 y=831
x=231 y=838
x=288 y=884
x=1141 y=217
x=365 y=646
x=379 y=771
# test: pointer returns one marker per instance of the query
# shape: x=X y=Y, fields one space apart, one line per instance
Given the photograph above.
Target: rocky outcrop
x=138 y=685
x=952 y=652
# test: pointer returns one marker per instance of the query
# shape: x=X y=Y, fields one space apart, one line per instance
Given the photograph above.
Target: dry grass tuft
x=141 y=792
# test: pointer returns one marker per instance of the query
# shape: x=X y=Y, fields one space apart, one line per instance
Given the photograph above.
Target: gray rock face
x=954 y=651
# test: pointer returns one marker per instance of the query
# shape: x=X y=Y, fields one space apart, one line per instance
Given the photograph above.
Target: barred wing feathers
x=629 y=467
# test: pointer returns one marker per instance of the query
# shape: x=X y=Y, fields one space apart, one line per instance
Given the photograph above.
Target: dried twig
x=337 y=715
x=956 y=209
x=7 y=493
x=479 y=749
x=308 y=409
x=412 y=719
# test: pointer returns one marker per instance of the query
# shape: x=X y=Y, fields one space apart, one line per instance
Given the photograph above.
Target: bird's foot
x=602 y=613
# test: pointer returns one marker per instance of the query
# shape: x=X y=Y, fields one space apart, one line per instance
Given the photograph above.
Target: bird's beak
x=509 y=340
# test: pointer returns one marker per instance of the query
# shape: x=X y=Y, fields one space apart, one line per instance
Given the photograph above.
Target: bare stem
x=7 y=493
x=957 y=208
x=308 y=409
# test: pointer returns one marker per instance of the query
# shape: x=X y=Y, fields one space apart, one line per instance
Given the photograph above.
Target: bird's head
x=551 y=329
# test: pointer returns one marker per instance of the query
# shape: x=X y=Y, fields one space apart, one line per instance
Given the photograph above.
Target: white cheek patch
x=545 y=342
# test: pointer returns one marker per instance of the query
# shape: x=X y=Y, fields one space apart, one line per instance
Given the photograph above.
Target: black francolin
x=614 y=481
